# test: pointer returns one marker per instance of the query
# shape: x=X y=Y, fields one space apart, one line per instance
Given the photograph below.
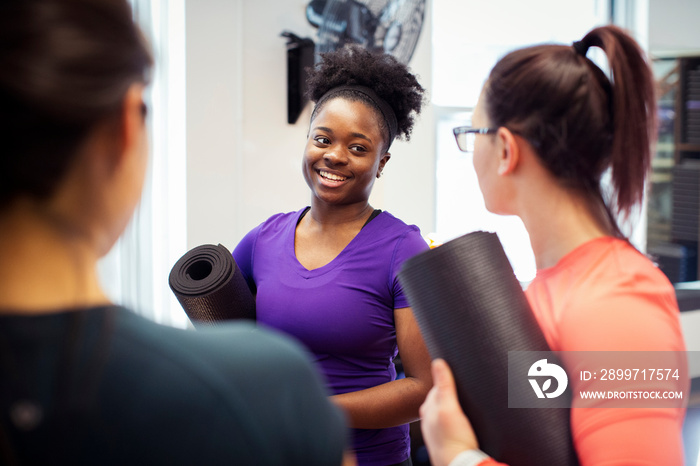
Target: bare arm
x=394 y=403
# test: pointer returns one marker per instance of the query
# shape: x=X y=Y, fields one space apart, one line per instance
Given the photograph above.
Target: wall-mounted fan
x=390 y=26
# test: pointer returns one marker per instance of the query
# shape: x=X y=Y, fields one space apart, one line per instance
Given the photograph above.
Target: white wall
x=244 y=160
x=213 y=87
x=674 y=25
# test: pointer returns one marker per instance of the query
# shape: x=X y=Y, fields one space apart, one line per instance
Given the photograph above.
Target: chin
x=105 y=242
x=105 y=246
x=494 y=209
x=499 y=211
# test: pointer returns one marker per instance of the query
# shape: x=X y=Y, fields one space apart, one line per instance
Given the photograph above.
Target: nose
x=335 y=155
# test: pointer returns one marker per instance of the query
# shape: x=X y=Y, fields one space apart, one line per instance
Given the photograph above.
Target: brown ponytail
x=634 y=113
x=580 y=122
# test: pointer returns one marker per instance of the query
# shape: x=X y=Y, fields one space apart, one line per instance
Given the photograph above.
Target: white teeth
x=331 y=176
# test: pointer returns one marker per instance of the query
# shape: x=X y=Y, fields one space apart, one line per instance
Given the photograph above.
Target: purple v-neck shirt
x=343 y=312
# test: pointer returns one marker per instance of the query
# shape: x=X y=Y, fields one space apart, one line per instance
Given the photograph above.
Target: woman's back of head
x=578 y=120
x=65 y=66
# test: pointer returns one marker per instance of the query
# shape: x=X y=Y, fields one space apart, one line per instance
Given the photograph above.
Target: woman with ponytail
x=548 y=125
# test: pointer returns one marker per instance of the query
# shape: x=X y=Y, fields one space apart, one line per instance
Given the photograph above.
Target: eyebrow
x=361 y=136
x=357 y=135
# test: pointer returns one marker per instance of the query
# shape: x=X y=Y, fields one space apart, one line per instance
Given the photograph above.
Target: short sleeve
x=410 y=244
x=243 y=255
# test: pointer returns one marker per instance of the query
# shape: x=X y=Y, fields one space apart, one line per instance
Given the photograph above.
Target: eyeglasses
x=466 y=135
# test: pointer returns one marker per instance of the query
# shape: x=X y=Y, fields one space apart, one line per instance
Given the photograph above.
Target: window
x=135 y=272
x=468 y=38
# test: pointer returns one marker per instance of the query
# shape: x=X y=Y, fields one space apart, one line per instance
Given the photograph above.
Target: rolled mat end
x=210 y=287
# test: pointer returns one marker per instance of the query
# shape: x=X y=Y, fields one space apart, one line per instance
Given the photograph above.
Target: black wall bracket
x=300 y=55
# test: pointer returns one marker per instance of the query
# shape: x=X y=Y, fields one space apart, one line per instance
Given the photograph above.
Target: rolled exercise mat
x=210 y=287
x=471 y=311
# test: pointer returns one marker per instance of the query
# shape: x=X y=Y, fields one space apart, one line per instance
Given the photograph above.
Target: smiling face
x=344 y=152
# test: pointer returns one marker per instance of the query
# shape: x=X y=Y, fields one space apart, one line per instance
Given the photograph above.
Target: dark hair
x=579 y=121
x=65 y=66
x=390 y=79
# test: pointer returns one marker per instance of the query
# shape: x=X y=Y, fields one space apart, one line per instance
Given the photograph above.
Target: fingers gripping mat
x=210 y=287
x=471 y=311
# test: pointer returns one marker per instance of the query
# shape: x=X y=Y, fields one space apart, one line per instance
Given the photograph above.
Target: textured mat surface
x=210 y=287
x=471 y=311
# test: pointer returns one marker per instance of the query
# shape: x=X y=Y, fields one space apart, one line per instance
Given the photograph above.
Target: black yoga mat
x=210 y=287
x=471 y=311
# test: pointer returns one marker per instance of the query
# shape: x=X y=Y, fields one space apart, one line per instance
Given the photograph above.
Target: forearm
x=387 y=405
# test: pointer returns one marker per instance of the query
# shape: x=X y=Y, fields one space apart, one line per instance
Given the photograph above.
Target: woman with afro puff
x=327 y=273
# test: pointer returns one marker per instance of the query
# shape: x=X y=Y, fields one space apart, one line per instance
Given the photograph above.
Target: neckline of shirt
x=306 y=273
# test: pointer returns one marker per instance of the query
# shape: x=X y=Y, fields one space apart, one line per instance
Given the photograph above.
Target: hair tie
x=580 y=48
x=387 y=112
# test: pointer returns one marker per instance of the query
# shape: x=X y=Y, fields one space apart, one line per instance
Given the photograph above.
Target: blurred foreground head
x=65 y=67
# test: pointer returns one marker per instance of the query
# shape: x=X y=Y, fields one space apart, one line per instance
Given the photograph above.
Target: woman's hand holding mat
x=446 y=430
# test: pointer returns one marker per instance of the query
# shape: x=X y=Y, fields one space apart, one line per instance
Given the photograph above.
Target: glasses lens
x=461 y=141
x=465 y=141
x=469 y=142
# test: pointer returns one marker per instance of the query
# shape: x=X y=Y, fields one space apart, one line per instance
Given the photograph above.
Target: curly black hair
x=385 y=75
